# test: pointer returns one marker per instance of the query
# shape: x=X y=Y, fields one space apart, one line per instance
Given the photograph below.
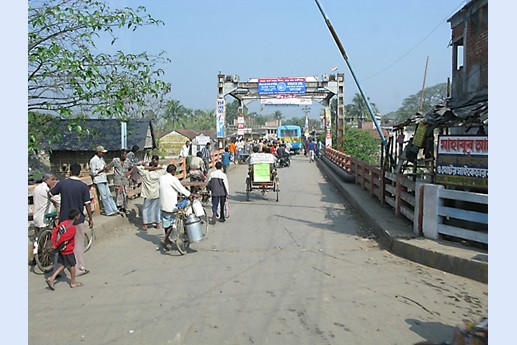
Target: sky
x=387 y=42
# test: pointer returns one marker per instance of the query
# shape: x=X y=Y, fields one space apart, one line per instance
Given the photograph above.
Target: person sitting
x=196 y=168
x=260 y=159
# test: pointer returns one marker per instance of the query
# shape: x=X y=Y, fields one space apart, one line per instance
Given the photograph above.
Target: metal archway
x=299 y=90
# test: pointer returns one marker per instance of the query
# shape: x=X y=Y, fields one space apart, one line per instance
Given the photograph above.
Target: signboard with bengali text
x=274 y=86
x=462 y=160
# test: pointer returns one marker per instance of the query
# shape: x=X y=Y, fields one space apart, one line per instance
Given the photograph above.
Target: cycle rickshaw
x=262 y=174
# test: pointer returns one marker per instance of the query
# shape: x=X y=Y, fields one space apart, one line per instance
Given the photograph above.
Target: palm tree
x=358 y=110
x=277 y=115
x=175 y=115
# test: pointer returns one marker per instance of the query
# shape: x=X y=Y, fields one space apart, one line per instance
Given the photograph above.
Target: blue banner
x=275 y=86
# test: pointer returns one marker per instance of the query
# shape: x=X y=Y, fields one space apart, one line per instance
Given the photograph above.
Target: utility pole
x=423 y=86
x=345 y=56
x=306 y=111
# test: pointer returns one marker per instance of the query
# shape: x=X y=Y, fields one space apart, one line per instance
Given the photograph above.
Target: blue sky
x=387 y=42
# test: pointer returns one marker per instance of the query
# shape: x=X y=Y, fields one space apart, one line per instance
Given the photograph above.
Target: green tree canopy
x=433 y=96
x=358 y=110
x=361 y=144
x=69 y=77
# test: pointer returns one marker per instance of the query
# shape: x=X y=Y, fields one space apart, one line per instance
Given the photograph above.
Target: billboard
x=462 y=160
x=274 y=86
x=286 y=100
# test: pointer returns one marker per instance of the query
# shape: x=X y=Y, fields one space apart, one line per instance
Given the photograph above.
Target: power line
x=420 y=42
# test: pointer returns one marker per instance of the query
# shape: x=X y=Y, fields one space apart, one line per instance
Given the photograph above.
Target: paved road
x=303 y=270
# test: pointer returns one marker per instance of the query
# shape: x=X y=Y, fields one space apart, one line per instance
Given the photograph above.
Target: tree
x=201 y=120
x=361 y=144
x=297 y=121
x=68 y=77
x=232 y=111
x=358 y=110
x=174 y=117
x=433 y=96
x=277 y=115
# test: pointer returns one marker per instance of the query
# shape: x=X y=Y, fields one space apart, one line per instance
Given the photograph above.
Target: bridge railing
x=432 y=209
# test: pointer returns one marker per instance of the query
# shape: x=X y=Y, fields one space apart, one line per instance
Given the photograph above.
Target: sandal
x=50 y=284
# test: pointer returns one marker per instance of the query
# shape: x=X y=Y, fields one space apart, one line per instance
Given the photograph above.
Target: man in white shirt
x=151 y=192
x=240 y=150
x=41 y=202
x=185 y=150
x=170 y=186
x=97 y=168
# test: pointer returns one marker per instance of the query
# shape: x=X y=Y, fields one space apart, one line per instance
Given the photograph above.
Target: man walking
x=170 y=186
x=219 y=189
x=207 y=157
x=75 y=194
x=97 y=168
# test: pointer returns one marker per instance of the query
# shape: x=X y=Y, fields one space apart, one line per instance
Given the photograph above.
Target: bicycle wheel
x=181 y=241
x=204 y=223
x=45 y=254
x=248 y=189
x=88 y=240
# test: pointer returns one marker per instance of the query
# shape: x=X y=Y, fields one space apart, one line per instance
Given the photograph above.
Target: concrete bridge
x=307 y=269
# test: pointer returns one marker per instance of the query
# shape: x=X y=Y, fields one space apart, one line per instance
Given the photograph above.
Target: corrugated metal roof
x=472 y=115
x=105 y=132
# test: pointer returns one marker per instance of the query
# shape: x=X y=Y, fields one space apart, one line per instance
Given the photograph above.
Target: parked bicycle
x=44 y=253
x=190 y=225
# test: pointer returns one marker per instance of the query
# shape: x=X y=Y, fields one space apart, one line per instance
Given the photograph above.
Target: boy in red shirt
x=66 y=257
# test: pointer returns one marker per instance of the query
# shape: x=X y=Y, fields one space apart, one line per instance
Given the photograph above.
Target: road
x=303 y=270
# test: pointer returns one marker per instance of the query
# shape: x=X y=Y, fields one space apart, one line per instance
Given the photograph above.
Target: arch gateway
x=288 y=90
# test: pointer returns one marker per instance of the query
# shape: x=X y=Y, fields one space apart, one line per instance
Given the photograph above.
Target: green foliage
x=232 y=111
x=361 y=144
x=358 y=110
x=298 y=121
x=65 y=75
x=433 y=96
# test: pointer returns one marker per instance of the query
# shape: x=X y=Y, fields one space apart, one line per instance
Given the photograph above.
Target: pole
x=345 y=56
x=423 y=86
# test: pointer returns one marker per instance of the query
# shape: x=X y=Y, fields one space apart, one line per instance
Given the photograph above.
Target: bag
x=226 y=208
x=62 y=229
x=182 y=204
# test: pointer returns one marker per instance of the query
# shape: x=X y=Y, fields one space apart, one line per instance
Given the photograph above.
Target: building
x=461 y=119
x=79 y=147
x=469 y=55
x=170 y=144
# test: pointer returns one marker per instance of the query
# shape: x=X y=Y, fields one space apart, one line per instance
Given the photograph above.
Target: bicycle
x=200 y=189
x=89 y=236
x=44 y=253
x=190 y=225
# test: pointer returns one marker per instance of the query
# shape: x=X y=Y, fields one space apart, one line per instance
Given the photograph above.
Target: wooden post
x=398 y=192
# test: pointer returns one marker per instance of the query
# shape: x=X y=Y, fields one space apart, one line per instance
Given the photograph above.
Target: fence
x=433 y=210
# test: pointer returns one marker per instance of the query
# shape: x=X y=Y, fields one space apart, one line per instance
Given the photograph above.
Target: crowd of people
x=160 y=188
